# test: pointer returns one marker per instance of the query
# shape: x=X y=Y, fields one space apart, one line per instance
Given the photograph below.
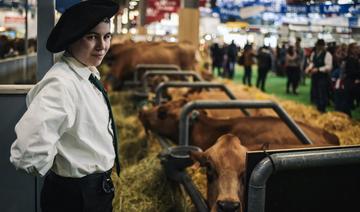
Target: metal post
x=45 y=23
x=206 y=104
x=26 y=41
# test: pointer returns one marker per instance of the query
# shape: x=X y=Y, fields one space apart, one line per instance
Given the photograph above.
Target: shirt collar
x=82 y=70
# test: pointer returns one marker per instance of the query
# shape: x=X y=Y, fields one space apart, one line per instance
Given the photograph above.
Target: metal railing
x=218 y=104
x=164 y=86
x=292 y=161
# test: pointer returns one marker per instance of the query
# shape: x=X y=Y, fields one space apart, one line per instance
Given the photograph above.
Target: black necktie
x=99 y=86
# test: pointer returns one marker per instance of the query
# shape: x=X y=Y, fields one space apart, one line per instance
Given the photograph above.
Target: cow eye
x=162 y=113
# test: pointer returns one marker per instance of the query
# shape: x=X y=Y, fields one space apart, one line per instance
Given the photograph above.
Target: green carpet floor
x=276 y=85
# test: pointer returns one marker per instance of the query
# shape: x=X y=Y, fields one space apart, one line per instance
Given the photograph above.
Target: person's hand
x=314 y=70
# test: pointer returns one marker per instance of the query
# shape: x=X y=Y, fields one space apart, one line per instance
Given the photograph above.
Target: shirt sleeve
x=50 y=113
x=328 y=63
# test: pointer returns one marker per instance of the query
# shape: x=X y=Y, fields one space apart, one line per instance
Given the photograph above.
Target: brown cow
x=124 y=57
x=225 y=164
x=164 y=120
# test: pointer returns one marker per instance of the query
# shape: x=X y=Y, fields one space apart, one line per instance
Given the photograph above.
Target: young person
x=68 y=132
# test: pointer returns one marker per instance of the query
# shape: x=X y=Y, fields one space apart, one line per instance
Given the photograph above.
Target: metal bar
x=194 y=194
x=206 y=104
x=165 y=85
x=162 y=141
x=144 y=81
x=15 y=89
x=291 y=161
x=45 y=22
x=152 y=67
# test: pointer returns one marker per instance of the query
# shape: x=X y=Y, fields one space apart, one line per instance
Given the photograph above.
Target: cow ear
x=198 y=156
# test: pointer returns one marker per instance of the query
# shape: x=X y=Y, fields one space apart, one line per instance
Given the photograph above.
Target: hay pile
x=144 y=187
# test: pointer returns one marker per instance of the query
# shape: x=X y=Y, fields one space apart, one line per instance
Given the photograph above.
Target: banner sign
x=324 y=9
x=353 y=22
x=157 y=9
x=235 y=9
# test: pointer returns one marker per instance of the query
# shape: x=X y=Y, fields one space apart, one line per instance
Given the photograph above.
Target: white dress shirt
x=66 y=127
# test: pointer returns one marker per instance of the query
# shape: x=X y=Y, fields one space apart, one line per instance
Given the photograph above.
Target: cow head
x=163 y=119
x=225 y=168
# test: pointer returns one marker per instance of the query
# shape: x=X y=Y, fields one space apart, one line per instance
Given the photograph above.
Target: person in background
x=301 y=57
x=337 y=77
x=319 y=68
x=264 y=65
x=248 y=62
x=292 y=64
x=232 y=52
x=280 y=59
x=351 y=77
x=68 y=133
x=217 y=58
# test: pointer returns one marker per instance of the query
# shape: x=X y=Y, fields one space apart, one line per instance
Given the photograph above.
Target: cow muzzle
x=228 y=206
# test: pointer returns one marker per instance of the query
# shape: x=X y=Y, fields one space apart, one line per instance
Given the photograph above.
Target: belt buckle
x=107 y=185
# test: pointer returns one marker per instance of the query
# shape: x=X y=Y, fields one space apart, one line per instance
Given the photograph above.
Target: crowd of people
x=334 y=70
x=14 y=47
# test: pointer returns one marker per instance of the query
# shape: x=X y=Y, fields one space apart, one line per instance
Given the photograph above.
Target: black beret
x=77 y=20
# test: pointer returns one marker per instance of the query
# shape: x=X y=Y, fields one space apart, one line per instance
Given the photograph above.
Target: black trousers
x=92 y=193
x=320 y=82
x=247 y=75
x=261 y=79
x=293 y=78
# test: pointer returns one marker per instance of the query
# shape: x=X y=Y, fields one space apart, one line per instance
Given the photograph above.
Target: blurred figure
x=217 y=58
x=280 y=59
x=248 y=62
x=232 y=52
x=337 y=77
x=225 y=64
x=292 y=65
x=319 y=67
x=264 y=65
x=351 y=77
x=4 y=46
x=301 y=57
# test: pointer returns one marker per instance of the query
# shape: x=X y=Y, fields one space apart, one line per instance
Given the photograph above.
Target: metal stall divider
x=164 y=86
x=309 y=179
x=144 y=67
x=147 y=74
x=208 y=104
x=145 y=84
